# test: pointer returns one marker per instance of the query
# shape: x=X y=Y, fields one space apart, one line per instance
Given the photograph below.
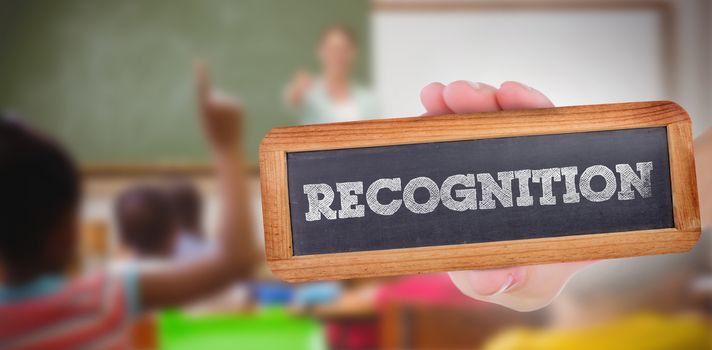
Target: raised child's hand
x=221 y=116
x=523 y=288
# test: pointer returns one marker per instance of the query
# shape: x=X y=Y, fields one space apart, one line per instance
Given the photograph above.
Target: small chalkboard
x=421 y=194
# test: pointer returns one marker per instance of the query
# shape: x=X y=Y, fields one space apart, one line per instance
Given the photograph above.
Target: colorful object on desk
x=272 y=328
x=432 y=289
x=317 y=293
x=633 y=332
x=272 y=293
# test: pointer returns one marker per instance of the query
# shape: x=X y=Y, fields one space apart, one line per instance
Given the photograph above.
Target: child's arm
x=236 y=256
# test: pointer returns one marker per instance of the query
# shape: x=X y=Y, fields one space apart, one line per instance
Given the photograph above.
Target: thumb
x=525 y=288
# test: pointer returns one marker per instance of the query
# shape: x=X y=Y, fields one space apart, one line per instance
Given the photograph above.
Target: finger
x=514 y=95
x=202 y=81
x=496 y=281
x=525 y=288
x=431 y=96
x=468 y=97
x=222 y=100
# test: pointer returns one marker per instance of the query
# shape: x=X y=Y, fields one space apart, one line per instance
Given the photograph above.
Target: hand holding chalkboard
x=522 y=288
x=603 y=223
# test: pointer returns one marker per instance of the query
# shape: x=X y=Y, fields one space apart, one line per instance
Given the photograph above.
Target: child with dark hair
x=39 y=198
x=145 y=222
x=39 y=193
x=186 y=205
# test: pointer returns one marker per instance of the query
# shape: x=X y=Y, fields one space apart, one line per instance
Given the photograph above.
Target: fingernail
x=515 y=277
x=511 y=82
x=473 y=84
x=527 y=86
x=507 y=285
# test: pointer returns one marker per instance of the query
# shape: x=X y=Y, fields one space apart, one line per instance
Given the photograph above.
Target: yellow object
x=641 y=331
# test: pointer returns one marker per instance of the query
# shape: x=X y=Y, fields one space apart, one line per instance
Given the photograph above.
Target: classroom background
x=112 y=80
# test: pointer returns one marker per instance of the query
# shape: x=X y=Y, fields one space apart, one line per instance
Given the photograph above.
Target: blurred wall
x=112 y=79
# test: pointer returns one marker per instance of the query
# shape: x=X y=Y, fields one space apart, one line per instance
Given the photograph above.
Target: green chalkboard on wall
x=112 y=79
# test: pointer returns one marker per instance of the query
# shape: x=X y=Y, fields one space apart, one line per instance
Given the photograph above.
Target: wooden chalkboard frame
x=398 y=131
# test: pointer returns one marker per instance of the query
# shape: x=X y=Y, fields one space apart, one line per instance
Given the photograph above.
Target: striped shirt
x=92 y=312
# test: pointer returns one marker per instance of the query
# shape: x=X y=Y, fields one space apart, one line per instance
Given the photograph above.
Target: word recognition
x=485 y=190
x=478 y=191
x=458 y=192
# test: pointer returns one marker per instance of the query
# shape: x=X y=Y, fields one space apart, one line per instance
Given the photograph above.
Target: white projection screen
x=574 y=54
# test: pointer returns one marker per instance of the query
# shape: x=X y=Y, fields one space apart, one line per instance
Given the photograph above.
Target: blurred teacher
x=333 y=96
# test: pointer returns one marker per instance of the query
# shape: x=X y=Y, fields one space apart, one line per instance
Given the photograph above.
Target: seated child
x=145 y=224
x=39 y=201
x=187 y=207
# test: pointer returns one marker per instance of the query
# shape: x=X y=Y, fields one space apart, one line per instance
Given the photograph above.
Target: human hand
x=303 y=80
x=301 y=83
x=220 y=115
x=522 y=288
